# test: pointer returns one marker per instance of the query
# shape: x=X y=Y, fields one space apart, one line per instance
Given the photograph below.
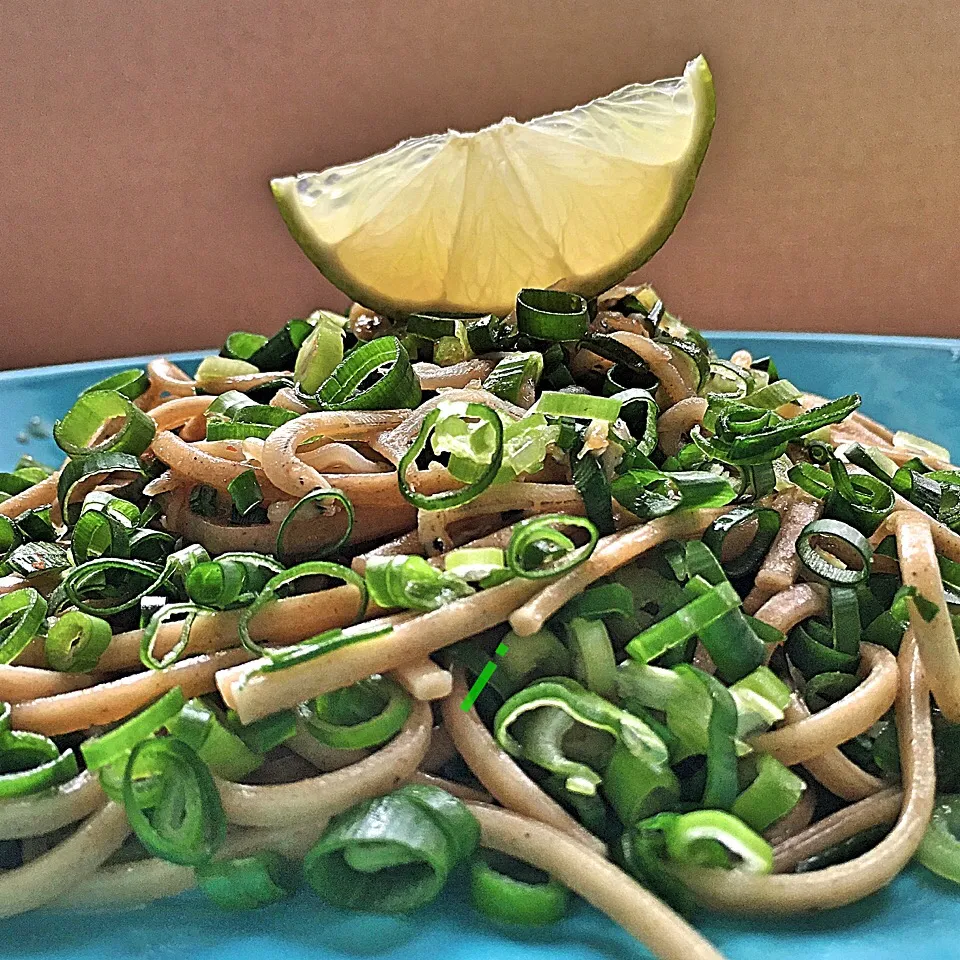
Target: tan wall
x=136 y=139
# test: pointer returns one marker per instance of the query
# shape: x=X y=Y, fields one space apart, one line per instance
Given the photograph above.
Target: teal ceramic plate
x=910 y=384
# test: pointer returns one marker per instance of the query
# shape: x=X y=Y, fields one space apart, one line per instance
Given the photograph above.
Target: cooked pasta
x=658 y=625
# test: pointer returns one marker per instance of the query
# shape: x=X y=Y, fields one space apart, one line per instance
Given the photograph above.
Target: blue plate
x=908 y=383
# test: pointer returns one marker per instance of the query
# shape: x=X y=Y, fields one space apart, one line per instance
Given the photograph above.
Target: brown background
x=137 y=138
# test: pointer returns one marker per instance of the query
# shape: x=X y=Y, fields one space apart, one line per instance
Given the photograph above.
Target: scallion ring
x=768 y=526
x=109 y=747
x=538 y=536
x=313 y=568
x=367 y=714
x=552 y=314
x=185 y=823
x=75 y=433
x=451 y=498
x=317 y=498
x=824 y=570
x=76 y=641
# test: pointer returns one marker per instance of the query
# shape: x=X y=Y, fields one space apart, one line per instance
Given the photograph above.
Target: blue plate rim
x=873 y=339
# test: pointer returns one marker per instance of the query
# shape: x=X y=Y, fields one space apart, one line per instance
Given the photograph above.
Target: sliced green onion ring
x=822 y=569
x=509 y=891
x=189 y=611
x=129 y=383
x=367 y=714
x=95 y=467
x=395 y=386
x=579 y=406
x=313 y=568
x=76 y=641
x=92 y=411
x=535 y=533
x=451 y=498
x=99 y=752
x=768 y=526
x=552 y=314
x=317 y=498
x=30 y=762
x=185 y=822
x=249 y=882
x=394 y=853
x=21 y=614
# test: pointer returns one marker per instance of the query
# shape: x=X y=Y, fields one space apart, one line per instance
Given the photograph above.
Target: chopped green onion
x=100 y=533
x=280 y=351
x=774 y=792
x=129 y=383
x=132 y=580
x=745 y=435
x=148 y=637
x=201 y=728
x=578 y=406
x=242 y=345
x=767 y=528
x=827 y=688
x=74 y=434
x=685 y=623
x=220 y=368
x=531 y=658
x=490 y=333
x=535 y=540
x=314 y=568
x=21 y=614
x=317 y=498
x=99 y=466
x=562 y=696
x=726 y=378
x=321 y=352
x=822 y=569
x=392 y=854
x=638 y=410
x=591 y=651
x=552 y=314
x=31 y=560
x=773 y=396
x=525 y=445
x=265 y=734
x=652 y=493
x=637 y=788
x=375 y=375
x=474 y=563
x=76 y=641
x=245 y=492
x=472 y=446
x=412 y=583
x=367 y=714
x=712 y=838
x=593 y=486
x=507 y=891
x=454 y=348
x=30 y=762
x=184 y=822
x=761 y=698
x=453 y=498
x=512 y=372
x=600 y=602
x=249 y=882
x=939 y=851
x=108 y=748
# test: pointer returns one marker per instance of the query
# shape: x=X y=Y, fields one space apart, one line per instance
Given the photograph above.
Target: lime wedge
x=460 y=222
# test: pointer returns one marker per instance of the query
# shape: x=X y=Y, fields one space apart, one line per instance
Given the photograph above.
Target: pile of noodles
x=72 y=833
